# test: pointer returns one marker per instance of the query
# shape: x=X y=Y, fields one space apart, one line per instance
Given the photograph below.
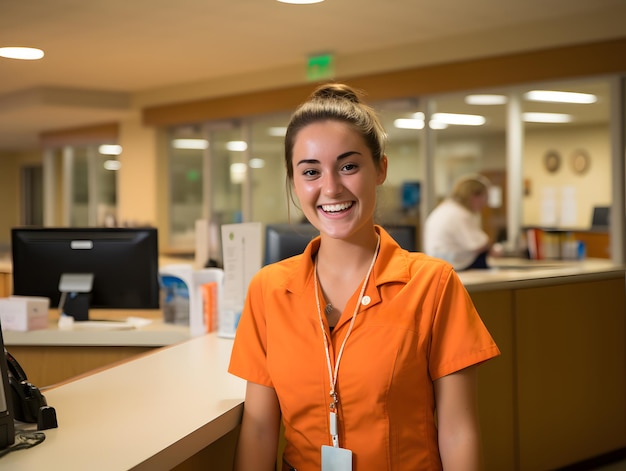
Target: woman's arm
x=457 y=421
x=260 y=426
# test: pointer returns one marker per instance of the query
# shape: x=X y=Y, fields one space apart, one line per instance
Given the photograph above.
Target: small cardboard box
x=22 y=313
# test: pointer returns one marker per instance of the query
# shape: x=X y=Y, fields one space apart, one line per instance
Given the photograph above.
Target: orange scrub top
x=420 y=325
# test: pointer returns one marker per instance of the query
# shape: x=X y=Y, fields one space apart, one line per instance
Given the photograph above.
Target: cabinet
x=557 y=394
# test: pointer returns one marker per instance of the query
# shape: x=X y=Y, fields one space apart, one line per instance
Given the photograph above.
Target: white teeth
x=335 y=208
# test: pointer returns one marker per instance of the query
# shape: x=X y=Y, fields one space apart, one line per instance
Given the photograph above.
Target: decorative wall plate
x=580 y=161
x=552 y=161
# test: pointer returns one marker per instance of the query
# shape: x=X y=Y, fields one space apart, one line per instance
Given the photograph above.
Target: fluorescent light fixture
x=277 y=131
x=236 y=146
x=409 y=123
x=433 y=124
x=238 y=172
x=485 y=99
x=546 y=117
x=301 y=2
x=560 y=97
x=256 y=163
x=417 y=123
x=112 y=165
x=22 y=53
x=110 y=149
x=459 y=119
x=197 y=144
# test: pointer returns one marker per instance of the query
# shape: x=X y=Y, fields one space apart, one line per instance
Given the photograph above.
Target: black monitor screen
x=285 y=240
x=404 y=234
x=123 y=261
x=600 y=217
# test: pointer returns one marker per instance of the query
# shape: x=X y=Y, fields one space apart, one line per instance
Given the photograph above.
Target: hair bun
x=336 y=91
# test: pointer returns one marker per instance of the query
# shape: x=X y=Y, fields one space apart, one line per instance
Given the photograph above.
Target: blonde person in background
x=453 y=229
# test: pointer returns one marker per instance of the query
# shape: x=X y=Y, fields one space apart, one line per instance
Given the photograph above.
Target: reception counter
x=151 y=413
x=53 y=355
x=556 y=395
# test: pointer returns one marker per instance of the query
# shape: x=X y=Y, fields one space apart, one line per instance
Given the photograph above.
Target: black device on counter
x=7 y=427
x=29 y=404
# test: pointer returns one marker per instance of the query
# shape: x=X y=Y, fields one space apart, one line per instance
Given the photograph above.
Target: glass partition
x=546 y=171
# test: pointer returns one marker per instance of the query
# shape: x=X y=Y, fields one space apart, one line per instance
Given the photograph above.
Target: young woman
x=452 y=230
x=365 y=350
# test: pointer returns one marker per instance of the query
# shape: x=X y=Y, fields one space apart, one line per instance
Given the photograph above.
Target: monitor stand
x=75 y=291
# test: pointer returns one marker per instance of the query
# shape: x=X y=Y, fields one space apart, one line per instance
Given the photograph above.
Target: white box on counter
x=23 y=313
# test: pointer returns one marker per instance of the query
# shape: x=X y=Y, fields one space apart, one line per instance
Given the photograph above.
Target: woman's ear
x=382 y=171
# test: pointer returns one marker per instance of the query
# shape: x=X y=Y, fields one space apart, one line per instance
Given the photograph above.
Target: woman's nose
x=332 y=184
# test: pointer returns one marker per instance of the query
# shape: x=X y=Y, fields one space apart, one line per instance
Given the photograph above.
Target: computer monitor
x=411 y=194
x=123 y=263
x=404 y=234
x=600 y=218
x=285 y=240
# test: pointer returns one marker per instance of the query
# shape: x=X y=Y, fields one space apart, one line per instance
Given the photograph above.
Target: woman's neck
x=339 y=258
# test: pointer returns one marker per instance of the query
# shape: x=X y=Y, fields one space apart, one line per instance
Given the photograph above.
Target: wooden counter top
x=522 y=273
x=147 y=414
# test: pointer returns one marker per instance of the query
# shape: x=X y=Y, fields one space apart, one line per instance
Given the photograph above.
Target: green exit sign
x=320 y=67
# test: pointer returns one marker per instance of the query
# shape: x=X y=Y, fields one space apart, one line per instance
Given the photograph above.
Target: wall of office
x=143 y=183
x=10 y=189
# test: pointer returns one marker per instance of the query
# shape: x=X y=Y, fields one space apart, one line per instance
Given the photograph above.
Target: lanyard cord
x=333 y=375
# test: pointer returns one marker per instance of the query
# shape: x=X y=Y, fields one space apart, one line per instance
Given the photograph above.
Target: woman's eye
x=309 y=172
x=349 y=167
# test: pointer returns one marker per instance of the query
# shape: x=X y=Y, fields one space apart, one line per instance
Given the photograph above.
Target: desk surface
x=507 y=273
x=156 y=334
x=150 y=413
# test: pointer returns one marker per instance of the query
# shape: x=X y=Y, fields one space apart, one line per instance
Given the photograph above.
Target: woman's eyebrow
x=339 y=157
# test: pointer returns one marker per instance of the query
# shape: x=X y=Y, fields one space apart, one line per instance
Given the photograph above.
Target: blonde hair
x=467 y=187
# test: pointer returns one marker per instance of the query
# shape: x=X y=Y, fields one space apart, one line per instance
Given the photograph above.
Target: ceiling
x=100 y=54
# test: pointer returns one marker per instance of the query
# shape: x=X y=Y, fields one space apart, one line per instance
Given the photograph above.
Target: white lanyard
x=333 y=375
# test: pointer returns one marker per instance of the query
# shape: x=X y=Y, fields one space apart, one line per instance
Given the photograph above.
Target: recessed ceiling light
x=300 y=2
x=237 y=146
x=110 y=149
x=112 y=165
x=277 y=131
x=459 y=119
x=546 y=117
x=198 y=144
x=485 y=99
x=409 y=123
x=23 y=53
x=256 y=163
x=560 y=97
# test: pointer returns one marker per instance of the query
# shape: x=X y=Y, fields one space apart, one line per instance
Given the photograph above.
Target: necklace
x=332 y=375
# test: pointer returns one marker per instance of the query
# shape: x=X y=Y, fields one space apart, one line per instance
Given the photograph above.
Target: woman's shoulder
x=278 y=273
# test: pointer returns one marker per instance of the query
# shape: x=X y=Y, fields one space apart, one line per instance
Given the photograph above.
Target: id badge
x=336 y=459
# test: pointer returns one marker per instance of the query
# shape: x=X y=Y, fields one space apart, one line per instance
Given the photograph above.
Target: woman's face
x=479 y=201
x=335 y=178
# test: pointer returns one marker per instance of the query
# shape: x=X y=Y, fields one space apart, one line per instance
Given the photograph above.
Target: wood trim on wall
x=606 y=57
x=83 y=135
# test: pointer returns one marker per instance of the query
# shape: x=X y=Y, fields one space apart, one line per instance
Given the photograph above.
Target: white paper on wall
x=568 y=206
x=549 y=207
